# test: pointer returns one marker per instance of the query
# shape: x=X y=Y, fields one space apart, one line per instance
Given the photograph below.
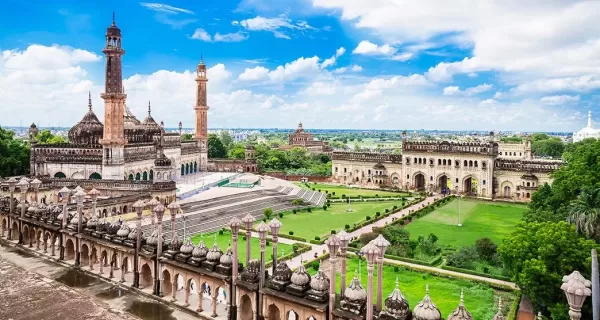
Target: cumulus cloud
x=455 y=90
x=331 y=61
x=300 y=67
x=559 y=100
x=256 y=73
x=279 y=26
x=201 y=34
x=366 y=47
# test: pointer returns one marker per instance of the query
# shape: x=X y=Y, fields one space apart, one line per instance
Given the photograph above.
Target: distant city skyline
x=329 y=63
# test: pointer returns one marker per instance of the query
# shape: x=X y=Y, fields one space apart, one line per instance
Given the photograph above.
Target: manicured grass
x=350 y=192
x=479 y=219
x=224 y=239
x=480 y=299
x=320 y=222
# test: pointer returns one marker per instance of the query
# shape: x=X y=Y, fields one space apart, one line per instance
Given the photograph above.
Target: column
x=187 y=296
x=199 y=291
x=174 y=290
x=214 y=303
x=91 y=262
x=370 y=291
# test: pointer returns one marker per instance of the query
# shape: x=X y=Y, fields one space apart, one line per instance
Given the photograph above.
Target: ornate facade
x=123 y=147
x=304 y=139
x=214 y=282
x=483 y=169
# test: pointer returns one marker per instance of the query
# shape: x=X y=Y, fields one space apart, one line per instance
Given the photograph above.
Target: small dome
x=123 y=231
x=187 y=247
x=300 y=277
x=460 y=313
x=176 y=243
x=227 y=257
x=320 y=282
x=396 y=303
x=200 y=251
x=89 y=130
x=153 y=238
x=426 y=309
x=251 y=272
x=283 y=272
x=75 y=220
x=162 y=161
x=355 y=291
x=93 y=222
x=113 y=227
x=133 y=234
x=32 y=208
x=214 y=254
x=41 y=208
x=56 y=209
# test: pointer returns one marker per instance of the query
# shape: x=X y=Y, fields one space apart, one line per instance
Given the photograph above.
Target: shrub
x=328 y=204
x=463 y=258
x=324 y=207
x=343 y=196
x=309 y=210
x=326 y=191
x=486 y=248
x=294 y=211
x=268 y=213
x=221 y=232
x=368 y=218
x=332 y=231
x=295 y=247
x=395 y=207
x=367 y=237
x=376 y=195
x=396 y=269
x=280 y=215
x=244 y=238
x=319 y=190
x=347 y=226
x=377 y=214
x=291 y=233
x=333 y=193
x=387 y=210
x=317 y=238
x=298 y=202
x=316 y=265
x=268 y=243
x=313 y=189
x=409 y=218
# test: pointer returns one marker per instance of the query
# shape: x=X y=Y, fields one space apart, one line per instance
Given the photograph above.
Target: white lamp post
x=576 y=288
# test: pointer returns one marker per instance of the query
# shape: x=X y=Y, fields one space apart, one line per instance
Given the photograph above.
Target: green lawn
x=350 y=192
x=224 y=239
x=320 y=222
x=479 y=219
x=480 y=299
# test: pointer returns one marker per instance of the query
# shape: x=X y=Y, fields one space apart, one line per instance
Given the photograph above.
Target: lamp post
x=12 y=183
x=333 y=244
x=459 y=223
x=151 y=205
x=371 y=252
x=80 y=196
x=576 y=288
x=235 y=225
x=64 y=193
x=275 y=225
x=94 y=194
x=159 y=210
x=381 y=243
x=23 y=186
x=262 y=230
x=139 y=209
x=180 y=126
x=344 y=240
x=173 y=210
x=248 y=220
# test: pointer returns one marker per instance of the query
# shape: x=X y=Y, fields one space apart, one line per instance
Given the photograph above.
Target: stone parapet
x=367 y=157
x=486 y=148
x=528 y=165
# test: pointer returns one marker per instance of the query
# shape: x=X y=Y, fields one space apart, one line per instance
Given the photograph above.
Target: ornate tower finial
x=90 y=100
x=113 y=22
x=589 y=119
x=201 y=58
x=149 y=108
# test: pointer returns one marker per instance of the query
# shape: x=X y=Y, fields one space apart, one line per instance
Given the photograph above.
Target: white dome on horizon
x=587 y=132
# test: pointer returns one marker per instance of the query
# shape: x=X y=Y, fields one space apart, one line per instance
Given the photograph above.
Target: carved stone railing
x=528 y=165
x=87 y=159
x=110 y=184
x=367 y=157
x=490 y=148
x=66 y=145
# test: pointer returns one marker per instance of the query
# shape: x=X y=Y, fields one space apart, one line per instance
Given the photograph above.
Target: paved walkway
x=322 y=249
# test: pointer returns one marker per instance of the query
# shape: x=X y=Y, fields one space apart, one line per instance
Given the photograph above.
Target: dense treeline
x=14 y=154
x=558 y=231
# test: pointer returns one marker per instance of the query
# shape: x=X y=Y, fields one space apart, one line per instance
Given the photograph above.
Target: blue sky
x=497 y=65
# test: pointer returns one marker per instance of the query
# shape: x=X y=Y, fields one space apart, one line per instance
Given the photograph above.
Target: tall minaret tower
x=201 y=114
x=113 y=140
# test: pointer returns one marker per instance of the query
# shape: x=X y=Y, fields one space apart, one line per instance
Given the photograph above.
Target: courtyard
x=479 y=219
x=340 y=190
x=480 y=299
x=320 y=222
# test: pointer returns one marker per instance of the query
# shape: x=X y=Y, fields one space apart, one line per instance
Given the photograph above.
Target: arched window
x=60 y=175
x=440 y=162
x=151 y=175
x=466 y=164
x=130 y=178
x=195 y=166
x=187 y=168
x=137 y=176
x=182 y=170
x=95 y=176
x=145 y=176
x=476 y=164
x=470 y=163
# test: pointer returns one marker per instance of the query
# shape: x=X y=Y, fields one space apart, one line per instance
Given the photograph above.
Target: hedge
x=514 y=307
x=475 y=273
x=287 y=236
x=433 y=262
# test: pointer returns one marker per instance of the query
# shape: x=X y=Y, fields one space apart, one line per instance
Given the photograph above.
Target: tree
x=215 y=147
x=46 y=137
x=14 y=155
x=268 y=213
x=225 y=138
x=187 y=137
x=584 y=212
x=486 y=249
x=537 y=255
x=551 y=147
x=237 y=151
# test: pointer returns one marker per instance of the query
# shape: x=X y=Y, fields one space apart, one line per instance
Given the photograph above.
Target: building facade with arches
x=481 y=169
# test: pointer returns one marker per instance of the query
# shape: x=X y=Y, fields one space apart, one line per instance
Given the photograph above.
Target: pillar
x=23 y=198
x=332 y=261
x=199 y=291
x=10 y=213
x=174 y=289
x=234 y=275
x=369 y=291
x=187 y=296
x=214 y=303
x=275 y=240
x=343 y=255
x=91 y=262
x=138 y=244
x=248 y=240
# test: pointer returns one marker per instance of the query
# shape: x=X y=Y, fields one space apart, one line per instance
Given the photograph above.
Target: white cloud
x=252 y=74
x=331 y=61
x=368 y=48
x=292 y=70
x=164 y=8
x=353 y=68
x=578 y=84
x=340 y=51
x=488 y=102
x=455 y=91
x=201 y=34
x=559 y=100
x=275 y=25
x=356 y=68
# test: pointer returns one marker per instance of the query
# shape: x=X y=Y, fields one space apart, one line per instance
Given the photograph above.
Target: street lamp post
x=262 y=230
x=235 y=225
x=576 y=288
x=139 y=209
x=344 y=240
x=159 y=210
x=35 y=183
x=333 y=244
x=459 y=222
x=381 y=243
x=94 y=194
x=64 y=193
x=80 y=196
x=275 y=225
x=248 y=220
x=371 y=252
x=23 y=186
x=12 y=183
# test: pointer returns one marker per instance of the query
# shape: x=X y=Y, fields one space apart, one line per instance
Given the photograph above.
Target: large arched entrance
x=419 y=182
x=146 y=276
x=167 y=287
x=85 y=255
x=69 y=250
x=443 y=184
x=506 y=192
x=274 y=313
x=246 y=308
x=469 y=186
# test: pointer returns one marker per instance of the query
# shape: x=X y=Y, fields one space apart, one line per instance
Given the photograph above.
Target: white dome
x=587 y=132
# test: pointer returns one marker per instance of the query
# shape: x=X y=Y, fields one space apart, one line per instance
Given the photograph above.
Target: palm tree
x=585 y=211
